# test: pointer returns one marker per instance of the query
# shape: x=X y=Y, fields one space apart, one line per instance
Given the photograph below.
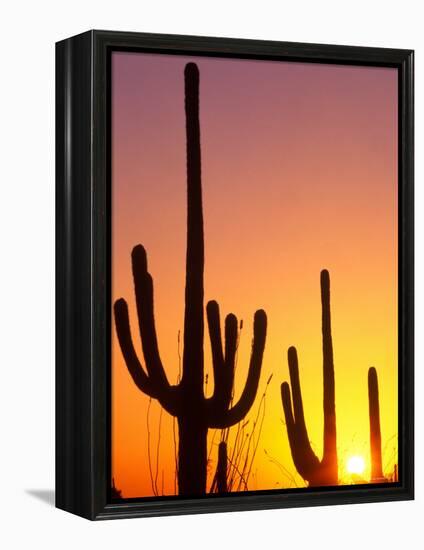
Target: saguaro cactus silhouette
x=186 y=401
x=222 y=467
x=375 y=432
x=316 y=472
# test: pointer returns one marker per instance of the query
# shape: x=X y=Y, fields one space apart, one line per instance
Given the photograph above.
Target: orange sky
x=299 y=165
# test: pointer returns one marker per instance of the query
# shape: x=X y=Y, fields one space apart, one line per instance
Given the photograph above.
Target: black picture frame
x=83 y=273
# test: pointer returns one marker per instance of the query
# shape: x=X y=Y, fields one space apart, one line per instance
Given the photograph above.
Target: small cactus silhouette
x=316 y=472
x=186 y=401
x=222 y=468
x=375 y=431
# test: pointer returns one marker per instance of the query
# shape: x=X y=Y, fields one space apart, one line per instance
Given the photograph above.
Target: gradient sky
x=299 y=167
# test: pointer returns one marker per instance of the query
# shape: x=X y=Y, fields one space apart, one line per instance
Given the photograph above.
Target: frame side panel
x=406 y=272
x=73 y=276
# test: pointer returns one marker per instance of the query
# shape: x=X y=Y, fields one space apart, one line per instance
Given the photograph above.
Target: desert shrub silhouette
x=316 y=472
x=186 y=401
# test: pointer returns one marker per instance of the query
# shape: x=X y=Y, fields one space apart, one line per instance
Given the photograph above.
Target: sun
x=356 y=465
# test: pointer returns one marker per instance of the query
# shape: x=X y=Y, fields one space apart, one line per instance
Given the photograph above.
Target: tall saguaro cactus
x=316 y=472
x=186 y=401
x=375 y=432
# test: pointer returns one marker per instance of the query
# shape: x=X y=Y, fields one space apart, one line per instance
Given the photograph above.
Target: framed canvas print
x=234 y=274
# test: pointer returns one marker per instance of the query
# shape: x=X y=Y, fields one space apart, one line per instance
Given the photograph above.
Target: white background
x=29 y=30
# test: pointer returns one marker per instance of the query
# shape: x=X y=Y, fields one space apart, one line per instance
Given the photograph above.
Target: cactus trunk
x=192 y=379
x=375 y=432
x=192 y=456
x=329 y=461
x=186 y=401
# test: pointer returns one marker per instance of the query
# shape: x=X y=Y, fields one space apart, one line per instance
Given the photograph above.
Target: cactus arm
x=192 y=378
x=143 y=286
x=288 y=414
x=299 y=415
x=231 y=335
x=212 y=313
x=329 y=405
x=167 y=396
x=223 y=365
x=123 y=330
x=241 y=408
x=304 y=457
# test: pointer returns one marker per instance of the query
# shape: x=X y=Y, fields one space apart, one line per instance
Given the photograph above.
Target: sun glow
x=356 y=465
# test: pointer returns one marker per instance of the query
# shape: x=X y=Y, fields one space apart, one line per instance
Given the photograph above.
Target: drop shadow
x=45 y=495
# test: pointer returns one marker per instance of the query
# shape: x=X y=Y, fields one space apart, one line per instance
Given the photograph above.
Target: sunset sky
x=299 y=173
